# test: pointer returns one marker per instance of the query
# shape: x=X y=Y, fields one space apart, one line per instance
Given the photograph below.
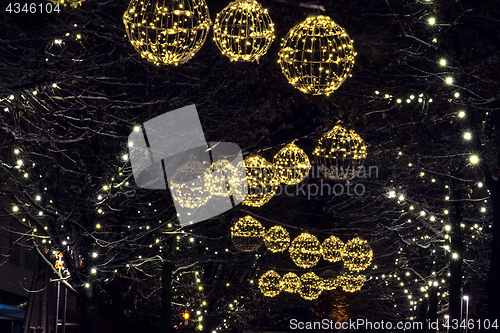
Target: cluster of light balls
x=309 y=286
x=167 y=32
x=340 y=153
x=243 y=31
x=248 y=234
x=317 y=56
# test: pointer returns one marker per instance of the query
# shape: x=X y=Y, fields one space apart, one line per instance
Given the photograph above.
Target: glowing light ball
x=247 y=234
x=357 y=254
x=243 y=31
x=332 y=249
x=261 y=180
x=317 y=56
x=290 y=282
x=305 y=250
x=292 y=165
x=167 y=32
x=269 y=284
x=277 y=239
x=310 y=286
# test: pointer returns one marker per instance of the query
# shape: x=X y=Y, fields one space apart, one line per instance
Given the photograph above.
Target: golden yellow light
x=243 y=31
x=167 y=32
x=217 y=176
x=351 y=282
x=277 y=239
x=292 y=165
x=269 y=284
x=71 y=3
x=261 y=180
x=247 y=234
x=188 y=186
x=305 y=250
x=310 y=286
x=290 y=283
x=329 y=284
x=317 y=56
x=357 y=254
x=332 y=249
x=340 y=153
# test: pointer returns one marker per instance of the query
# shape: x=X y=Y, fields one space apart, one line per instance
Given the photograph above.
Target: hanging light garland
x=332 y=249
x=290 y=283
x=243 y=31
x=340 y=153
x=261 y=179
x=167 y=32
x=317 y=56
x=269 y=284
x=247 y=234
x=71 y=3
x=292 y=165
x=350 y=282
x=357 y=254
x=277 y=239
x=188 y=187
x=310 y=286
x=305 y=250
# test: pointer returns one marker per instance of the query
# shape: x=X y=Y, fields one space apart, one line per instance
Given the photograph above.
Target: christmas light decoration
x=357 y=254
x=243 y=31
x=317 y=56
x=217 y=176
x=340 y=153
x=290 y=282
x=188 y=186
x=261 y=180
x=167 y=32
x=247 y=234
x=329 y=284
x=305 y=250
x=310 y=286
x=332 y=249
x=292 y=165
x=350 y=282
x=269 y=283
x=71 y=3
x=277 y=239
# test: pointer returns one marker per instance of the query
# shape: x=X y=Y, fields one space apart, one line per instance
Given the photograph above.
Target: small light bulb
x=467 y=136
x=461 y=114
x=474 y=159
x=442 y=62
x=432 y=20
x=449 y=80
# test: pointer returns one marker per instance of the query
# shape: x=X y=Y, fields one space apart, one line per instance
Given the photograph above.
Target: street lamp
x=466 y=299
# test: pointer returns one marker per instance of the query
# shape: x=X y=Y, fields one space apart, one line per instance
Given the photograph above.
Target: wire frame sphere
x=71 y=3
x=351 y=282
x=310 y=286
x=167 y=32
x=188 y=188
x=329 y=283
x=340 y=154
x=317 y=56
x=332 y=249
x=277 y=239
x=357 y=254
x=247 y=234
x=270 y=284
x=292 y=165
x=290 y=283
x=305 y=250
x=261 y=180
x=216 y=177
x=243 y=31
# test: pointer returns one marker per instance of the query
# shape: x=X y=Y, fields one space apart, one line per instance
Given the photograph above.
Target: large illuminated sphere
x=247 y=234
x=262 y=183
x=188 y=187
x=317 y=56
x=243 y=31
x=332 y=249
x=292 y=165
x=269 y=284
x=357 y=254
x=167 y=32
x=290 y=283
x=277 y=239
x=305 y=250
x=216 y=178
x=310 y=286
x=350 y=282
x=340 y=154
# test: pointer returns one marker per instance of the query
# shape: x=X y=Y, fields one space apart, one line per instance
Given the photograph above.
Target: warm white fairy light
x=449 y=80
x=461 y=114
x=432 y=20
x=467 y=136
x=442 y=62
x=474 y=159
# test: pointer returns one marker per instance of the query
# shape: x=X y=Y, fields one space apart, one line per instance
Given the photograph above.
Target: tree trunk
x=88 y=311
x=494 y=272
x=455 y=282
x=166 y=288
